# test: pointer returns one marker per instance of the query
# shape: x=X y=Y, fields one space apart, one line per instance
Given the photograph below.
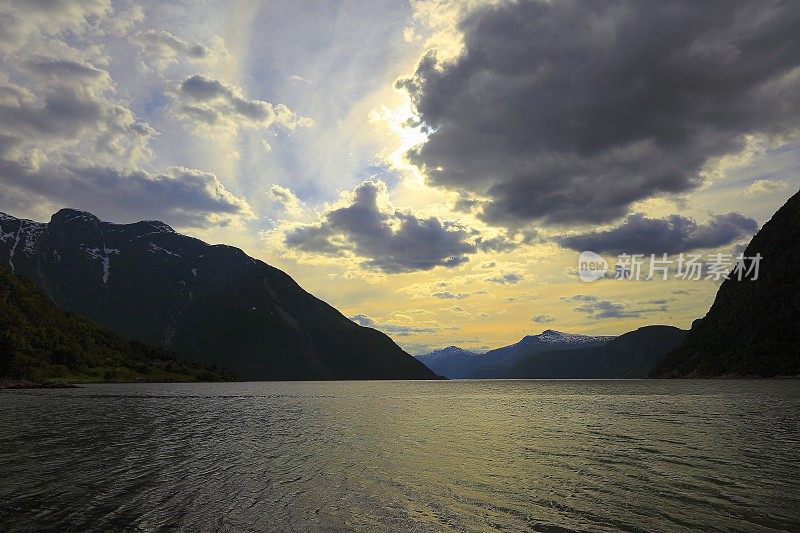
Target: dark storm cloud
x=391 y=241
x=639 y=234
x=569 y=111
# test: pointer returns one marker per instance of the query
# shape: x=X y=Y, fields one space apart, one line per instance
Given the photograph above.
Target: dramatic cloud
x=184 y=197
x=73 y=111
x=639 y=234
x=600 y=309
x=388 y=239
x=212 y=103
x=71 y=144
x=568 y=111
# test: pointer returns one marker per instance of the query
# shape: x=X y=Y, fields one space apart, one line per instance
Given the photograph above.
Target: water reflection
x=470 y=455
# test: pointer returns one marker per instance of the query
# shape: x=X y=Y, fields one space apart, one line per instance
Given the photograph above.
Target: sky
x=431 y=168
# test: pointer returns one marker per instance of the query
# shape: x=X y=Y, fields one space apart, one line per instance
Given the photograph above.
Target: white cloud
x=287 y=199
x=23 y=20
x=759 y=187
x=160 y=49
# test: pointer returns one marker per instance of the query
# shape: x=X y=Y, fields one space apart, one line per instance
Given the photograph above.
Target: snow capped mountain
x=450 y=362
x=495 y=363
x=629 y=356
x=456 y=363
x=450 y=351
x=564 y=340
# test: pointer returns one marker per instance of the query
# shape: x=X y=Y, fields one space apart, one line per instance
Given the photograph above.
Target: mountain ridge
x=631 y=355
x=493 y=363
x=449 y=361
x=500 y=359
x=209 y=303
x=753 y=327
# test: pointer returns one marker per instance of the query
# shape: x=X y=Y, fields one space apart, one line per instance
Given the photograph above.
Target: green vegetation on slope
x=41 y=342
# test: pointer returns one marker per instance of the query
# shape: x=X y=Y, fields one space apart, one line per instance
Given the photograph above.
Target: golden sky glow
x=293 y=106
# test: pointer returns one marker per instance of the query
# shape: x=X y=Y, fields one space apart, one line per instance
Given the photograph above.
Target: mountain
x=40 y=342
x=753 y=327
x=451 y=362
x=632 y=355
x=208 y=303
x=455 y=363
x=495 y=363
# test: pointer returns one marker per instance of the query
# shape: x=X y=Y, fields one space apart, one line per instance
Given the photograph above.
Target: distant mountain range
x=629 y=356
x=450 y=362
x=753 y=327
x=208 y=303
x=39 y=342
x=496 y=362
x=493 y=364
x=751 y=330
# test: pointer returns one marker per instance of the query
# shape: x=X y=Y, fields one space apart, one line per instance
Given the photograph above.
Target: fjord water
x=416 y=456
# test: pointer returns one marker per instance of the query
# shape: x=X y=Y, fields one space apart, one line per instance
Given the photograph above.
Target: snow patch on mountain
x=27 y=233
x=32 y=232
x=450 y=351
x=156 y=248
x=159 y=226
x=103 y=257
x=551 y=336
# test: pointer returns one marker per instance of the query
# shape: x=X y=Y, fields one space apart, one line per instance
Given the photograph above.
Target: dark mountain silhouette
x=753 y=327
x=39 y=341
x=632 y=355
x=208 y=303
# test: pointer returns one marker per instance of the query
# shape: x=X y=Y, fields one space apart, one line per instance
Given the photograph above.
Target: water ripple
x=416 y=456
